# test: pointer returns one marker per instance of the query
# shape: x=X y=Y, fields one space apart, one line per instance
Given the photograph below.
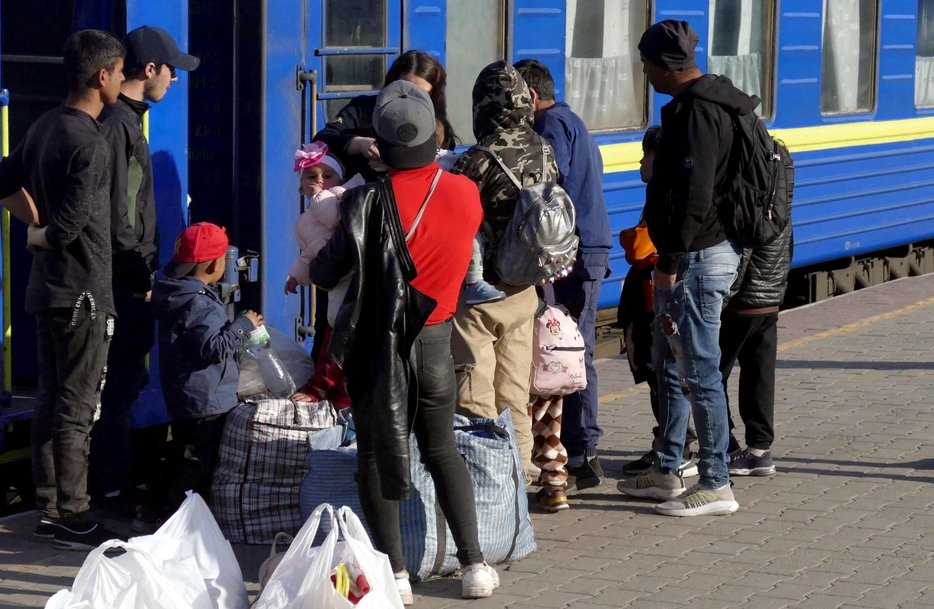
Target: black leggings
x=433 y=425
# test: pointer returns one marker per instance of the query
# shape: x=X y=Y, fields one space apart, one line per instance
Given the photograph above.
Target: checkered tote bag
x=261 y=466
x=495 y=467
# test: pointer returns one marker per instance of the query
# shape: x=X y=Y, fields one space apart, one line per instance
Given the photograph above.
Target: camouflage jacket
x=502 y=122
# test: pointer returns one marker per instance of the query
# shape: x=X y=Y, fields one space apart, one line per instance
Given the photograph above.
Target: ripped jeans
x=686 y=356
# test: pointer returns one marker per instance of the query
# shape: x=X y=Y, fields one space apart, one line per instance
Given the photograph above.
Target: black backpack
x=755 y=206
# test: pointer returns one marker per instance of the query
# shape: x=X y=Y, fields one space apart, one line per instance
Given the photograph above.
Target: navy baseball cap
x=151 y=44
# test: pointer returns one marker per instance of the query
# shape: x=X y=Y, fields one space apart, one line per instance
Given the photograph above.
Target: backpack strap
x=502 y=164
x=418 y=218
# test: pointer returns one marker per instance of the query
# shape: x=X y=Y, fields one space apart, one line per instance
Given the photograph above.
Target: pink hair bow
x=310 y=155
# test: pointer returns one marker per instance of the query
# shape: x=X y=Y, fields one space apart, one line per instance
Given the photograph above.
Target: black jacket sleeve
x=11 y=172
x=88 y=172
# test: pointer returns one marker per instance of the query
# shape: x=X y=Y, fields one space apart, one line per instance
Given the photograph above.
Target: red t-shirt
x=443 y=241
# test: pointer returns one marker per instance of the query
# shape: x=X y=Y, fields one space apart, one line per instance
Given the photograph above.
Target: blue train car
x=848 y=85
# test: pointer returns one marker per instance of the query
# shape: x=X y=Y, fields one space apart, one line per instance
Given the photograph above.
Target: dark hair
x=537 y=76
x=423 y=65
x=88 y=51
x=449 y=141
x=651 y=139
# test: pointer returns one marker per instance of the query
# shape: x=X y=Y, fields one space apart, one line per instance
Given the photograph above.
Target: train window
x=476 y=37
x=603 y=76
x=740 y=48
x=924 y=61
x=848 y=61
x=354 y=23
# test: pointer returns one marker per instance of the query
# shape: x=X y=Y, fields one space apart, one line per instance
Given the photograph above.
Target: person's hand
x=145 y=296
x=365 y=146
x=663 y=280
x=291 y=286
x=35 y=238
x=301 y=397
x=255 y=317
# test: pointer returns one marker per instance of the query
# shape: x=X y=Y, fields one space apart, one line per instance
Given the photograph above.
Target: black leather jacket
x=377 y=324
x=763 y=276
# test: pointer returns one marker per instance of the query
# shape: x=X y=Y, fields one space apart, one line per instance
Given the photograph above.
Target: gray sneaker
x=652 y=485
x=699 y=501
x=688 y=467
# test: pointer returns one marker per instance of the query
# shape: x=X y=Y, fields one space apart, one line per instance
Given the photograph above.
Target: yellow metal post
x=5 y=236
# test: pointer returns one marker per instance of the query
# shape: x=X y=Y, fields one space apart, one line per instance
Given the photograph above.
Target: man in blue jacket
x=580 y=168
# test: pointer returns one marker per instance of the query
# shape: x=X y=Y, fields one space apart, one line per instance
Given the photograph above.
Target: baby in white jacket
x=323 y=183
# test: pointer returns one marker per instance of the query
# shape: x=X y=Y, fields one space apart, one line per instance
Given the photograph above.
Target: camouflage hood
x=501 y=101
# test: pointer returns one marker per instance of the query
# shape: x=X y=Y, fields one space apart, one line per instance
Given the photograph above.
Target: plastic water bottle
x=279 y=383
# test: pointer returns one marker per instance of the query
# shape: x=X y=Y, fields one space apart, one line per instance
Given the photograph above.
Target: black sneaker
x=45 y=531
x=747 y=464
x=588 y=475
x=642 y=464
x=146 y=522
x=81 y=537
x=734 y=449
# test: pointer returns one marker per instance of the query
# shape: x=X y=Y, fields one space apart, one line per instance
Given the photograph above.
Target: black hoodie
x=691 y=166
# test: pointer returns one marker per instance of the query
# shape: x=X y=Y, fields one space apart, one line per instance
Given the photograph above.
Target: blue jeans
x=687 y=362
x=579 y=292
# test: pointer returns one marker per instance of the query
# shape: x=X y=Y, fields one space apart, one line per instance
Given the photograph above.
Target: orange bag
x=640 y=251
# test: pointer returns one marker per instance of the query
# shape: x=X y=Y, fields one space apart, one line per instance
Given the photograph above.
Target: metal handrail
x=32 y=59
x=5 y=239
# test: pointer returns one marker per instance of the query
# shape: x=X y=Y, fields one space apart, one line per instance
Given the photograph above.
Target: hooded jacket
x=133 y=231
x=502 y=122
x=198 y=348
x=691 y=165
x=762 y=277
x=377 y=323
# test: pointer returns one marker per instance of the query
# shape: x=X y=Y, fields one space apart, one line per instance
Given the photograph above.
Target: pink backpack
x=558 y=354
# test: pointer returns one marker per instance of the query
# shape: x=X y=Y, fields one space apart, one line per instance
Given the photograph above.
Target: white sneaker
x=404 y=588
x=479 y=581
x=699 y=501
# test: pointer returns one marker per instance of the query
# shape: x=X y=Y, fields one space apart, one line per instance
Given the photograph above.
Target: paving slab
x=848 y=521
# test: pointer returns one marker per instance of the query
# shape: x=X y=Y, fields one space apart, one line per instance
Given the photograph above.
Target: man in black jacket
x=695 y=269
x=63 y=162
x=749 y=334
x=151 y=61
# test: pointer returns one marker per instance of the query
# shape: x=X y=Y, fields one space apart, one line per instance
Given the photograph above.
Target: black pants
x=72 y=353
x=134 y=334
x=753 y=342
x=190 y=460
x=433 y=425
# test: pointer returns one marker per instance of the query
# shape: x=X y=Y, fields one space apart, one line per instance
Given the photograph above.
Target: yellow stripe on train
x=625 y=157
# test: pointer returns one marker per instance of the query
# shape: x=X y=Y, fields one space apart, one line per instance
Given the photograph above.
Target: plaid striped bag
x=495 y=468
x=261 y=466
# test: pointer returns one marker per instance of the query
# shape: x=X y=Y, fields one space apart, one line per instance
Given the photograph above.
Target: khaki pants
x=492 y=349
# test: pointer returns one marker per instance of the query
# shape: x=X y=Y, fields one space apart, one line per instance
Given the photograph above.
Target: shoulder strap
x=421 y=210
x=502 y=164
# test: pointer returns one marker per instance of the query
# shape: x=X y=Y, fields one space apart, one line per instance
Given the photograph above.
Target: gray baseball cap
x=404 y=120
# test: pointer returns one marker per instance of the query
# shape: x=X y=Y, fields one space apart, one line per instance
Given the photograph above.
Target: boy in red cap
x=198 y=347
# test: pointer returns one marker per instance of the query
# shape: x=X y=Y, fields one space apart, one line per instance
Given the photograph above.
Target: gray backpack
x=539 y=244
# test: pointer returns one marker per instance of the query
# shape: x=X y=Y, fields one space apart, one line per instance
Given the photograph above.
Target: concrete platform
x=847 y=521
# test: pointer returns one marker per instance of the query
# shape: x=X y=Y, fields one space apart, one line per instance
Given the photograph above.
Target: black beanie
x=670 y=45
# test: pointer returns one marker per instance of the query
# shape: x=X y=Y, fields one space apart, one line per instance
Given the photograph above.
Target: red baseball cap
x=201 y=242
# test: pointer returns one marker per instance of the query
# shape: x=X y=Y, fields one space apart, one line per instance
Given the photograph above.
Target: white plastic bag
x=293 y=356
x=303 y=578
x=193 y=533
x=186 y=564
x=133 y=580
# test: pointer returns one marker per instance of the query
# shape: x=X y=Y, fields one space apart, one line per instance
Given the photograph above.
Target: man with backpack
x=696 y=267
x=492 y=342
x=580 y=169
